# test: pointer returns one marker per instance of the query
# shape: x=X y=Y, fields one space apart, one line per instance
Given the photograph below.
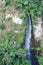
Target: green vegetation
x=41 y=60
x=30 y=6
x=7 y=2
x=12 y=36
x=9 y=19
x=20 y=37
x=10 y=51
x=2 y=26
x=12 y=54
x=3 y=10
x=22 y=15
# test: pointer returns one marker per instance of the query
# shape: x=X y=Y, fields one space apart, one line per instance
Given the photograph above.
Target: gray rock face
x=38 y=29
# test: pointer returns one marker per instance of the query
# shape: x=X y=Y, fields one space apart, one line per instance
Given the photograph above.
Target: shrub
x=7 y=2
x=22 y=15
x=11 y=54
x=30 y=6
x=2 y=26
x=9 y=19
x=41 y=60
x=3 y=10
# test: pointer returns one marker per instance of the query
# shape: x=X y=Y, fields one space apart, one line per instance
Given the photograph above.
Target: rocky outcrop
x=39 y=33
x=38 y=29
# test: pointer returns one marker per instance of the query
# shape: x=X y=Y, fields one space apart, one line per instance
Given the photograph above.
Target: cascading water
x=28 y=39
x=28 y=34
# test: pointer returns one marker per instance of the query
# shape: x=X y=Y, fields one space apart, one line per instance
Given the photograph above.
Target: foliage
x=42 y=14
x=2 y=26
x=9 y=19
x=41 y=60
x=3 y=10
x=7 y=2
x=12 y=36
x=12 y=54
x=20 y=37
x=30 y=6
x=22 y=15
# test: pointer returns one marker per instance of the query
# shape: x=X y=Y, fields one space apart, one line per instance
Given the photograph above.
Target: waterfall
x=29 y=39
x=28 y=34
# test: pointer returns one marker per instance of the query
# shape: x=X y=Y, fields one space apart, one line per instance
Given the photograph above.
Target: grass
x=41 y=60
x=3 y=10
x=9 y=19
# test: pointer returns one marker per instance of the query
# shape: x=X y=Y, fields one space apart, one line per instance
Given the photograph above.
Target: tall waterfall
x=28 y=34
x=29 y=39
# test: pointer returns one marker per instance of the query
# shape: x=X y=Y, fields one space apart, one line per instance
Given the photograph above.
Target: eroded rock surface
x=38 y=29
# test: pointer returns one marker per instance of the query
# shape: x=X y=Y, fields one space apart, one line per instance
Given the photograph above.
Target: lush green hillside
x=12 y=34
